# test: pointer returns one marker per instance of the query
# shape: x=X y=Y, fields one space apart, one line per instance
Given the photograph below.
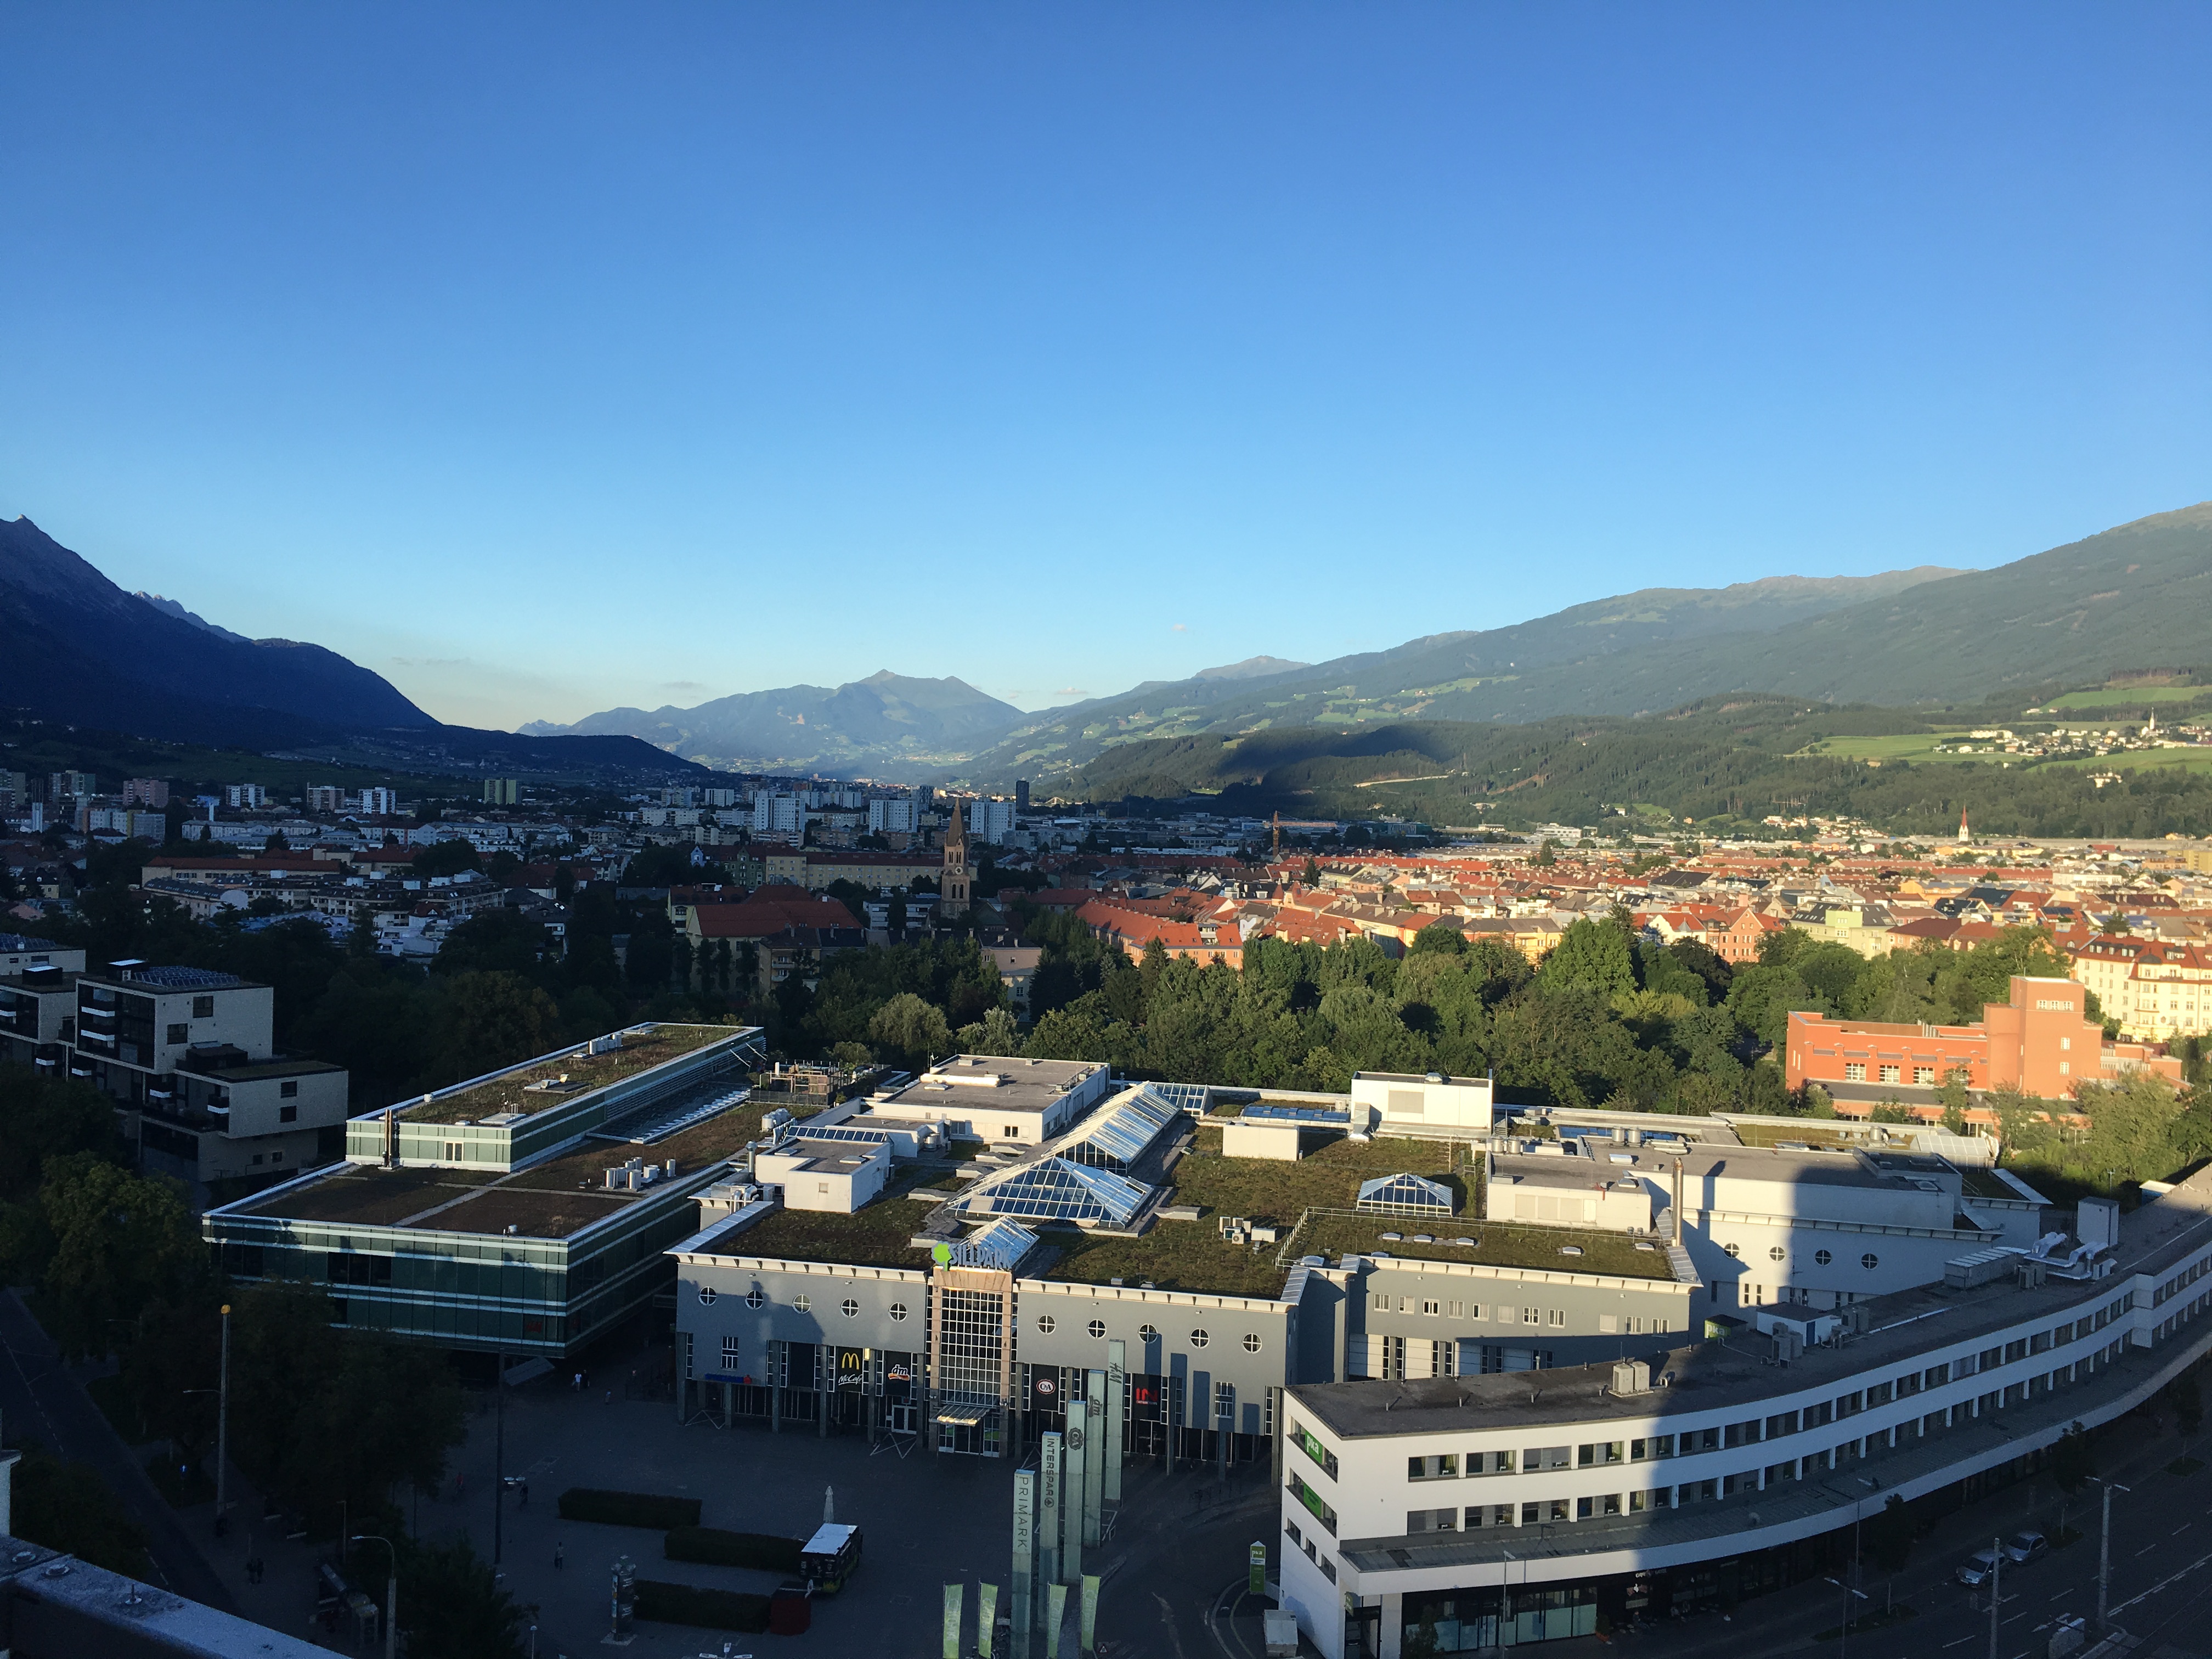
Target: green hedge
x=629 y=1508
x=708 y=1609
x=732 y=1549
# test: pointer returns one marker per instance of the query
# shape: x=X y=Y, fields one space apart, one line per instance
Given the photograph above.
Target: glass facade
x=535 y=1296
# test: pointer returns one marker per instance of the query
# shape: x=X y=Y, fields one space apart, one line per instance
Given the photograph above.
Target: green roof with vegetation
x=877 y=1235
x=1539 y=1249
x=640 y=1051
x=552 y=1200
x=1192 y=1256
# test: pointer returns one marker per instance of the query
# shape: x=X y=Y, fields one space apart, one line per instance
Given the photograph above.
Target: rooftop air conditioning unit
x=1631 y=1376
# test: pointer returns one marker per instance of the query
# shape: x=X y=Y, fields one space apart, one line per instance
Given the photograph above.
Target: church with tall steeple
x=953 y=886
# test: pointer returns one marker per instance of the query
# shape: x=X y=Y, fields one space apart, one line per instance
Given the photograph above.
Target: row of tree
x=331 y=1425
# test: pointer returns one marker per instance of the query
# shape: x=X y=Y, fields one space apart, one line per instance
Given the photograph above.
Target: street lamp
x=222 y=1430
x=390 y=1589
x=2105 y=1550
x=1848 y=1591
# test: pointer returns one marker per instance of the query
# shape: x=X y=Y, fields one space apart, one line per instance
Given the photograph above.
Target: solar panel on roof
x=1054 y=1189
x=1304 y=1116
x=184 y=979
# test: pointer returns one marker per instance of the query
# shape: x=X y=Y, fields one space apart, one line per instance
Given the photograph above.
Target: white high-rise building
x=896 y=816
x=991 y=820
x=774 y=813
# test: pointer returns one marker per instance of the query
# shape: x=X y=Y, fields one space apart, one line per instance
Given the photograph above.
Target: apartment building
x=2040 y=1041
x=2156 y=988
x=991 y=820
x=187 y=1054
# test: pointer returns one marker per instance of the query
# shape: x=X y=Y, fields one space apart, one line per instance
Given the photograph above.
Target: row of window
x=1046 y=1324
x=1922 y=1075
x=1751 y=1431
x=1597 y=1506
x=1820 y=1258
x=1501 y=1313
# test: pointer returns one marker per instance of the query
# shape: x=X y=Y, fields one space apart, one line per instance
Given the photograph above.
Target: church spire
x=953 y=897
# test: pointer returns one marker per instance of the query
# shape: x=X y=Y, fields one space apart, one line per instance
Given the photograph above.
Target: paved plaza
x=927 y=1521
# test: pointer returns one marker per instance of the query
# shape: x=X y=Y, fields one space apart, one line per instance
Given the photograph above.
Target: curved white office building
x=1525 y=1506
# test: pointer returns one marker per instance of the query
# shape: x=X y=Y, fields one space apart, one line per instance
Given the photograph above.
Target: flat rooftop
x=1723 y=1375
x=1808 y=1166
x=980 y=1084
x=879 y=1234
x=553 y=1200
x=511 y=1091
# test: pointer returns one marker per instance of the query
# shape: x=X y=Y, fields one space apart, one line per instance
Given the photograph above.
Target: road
x=2161 y=1587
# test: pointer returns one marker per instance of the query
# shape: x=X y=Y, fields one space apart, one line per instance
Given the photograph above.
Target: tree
x=503 y=940
x=68 y=1507
x=445 y=857
x=1442 y=936
x=2073 y=1461
x=488 y=1020
x=1954 y=1094
x=914 y=1028
x=120 y=1242
x=320 y=1416
x=1591 y=956
x=451 y=1605
x=1888 y=1536
x=994 y=1034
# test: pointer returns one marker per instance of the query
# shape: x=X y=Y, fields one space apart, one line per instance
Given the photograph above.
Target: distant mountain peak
x=171 y=607
x=1250 y=669
x=84 y=649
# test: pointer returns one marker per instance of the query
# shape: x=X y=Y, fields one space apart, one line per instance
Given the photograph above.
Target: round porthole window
x=1044 y=1324
x=1775 y=1253
x=1870 y=1262
x=802 y=1303
x=1251 y=1345
x=1732 y=1249
x=706 y=1295
x=851 y=1309
x=1822 y=1257
x=1097 y=1329
x=1199 y=1338
x=1148 y=1333
x=898 y=1310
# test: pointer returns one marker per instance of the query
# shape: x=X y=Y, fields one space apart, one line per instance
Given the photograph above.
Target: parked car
x=1977 y=1568
x=2026 y=1547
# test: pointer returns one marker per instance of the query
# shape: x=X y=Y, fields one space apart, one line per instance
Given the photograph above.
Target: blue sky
x=548 y=359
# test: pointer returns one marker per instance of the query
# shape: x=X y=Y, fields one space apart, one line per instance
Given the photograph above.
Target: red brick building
x=2041 y=1042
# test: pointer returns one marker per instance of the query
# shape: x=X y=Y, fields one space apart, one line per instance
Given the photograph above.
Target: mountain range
x=2138 y=595
x=82 y=651
x=886 y=721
